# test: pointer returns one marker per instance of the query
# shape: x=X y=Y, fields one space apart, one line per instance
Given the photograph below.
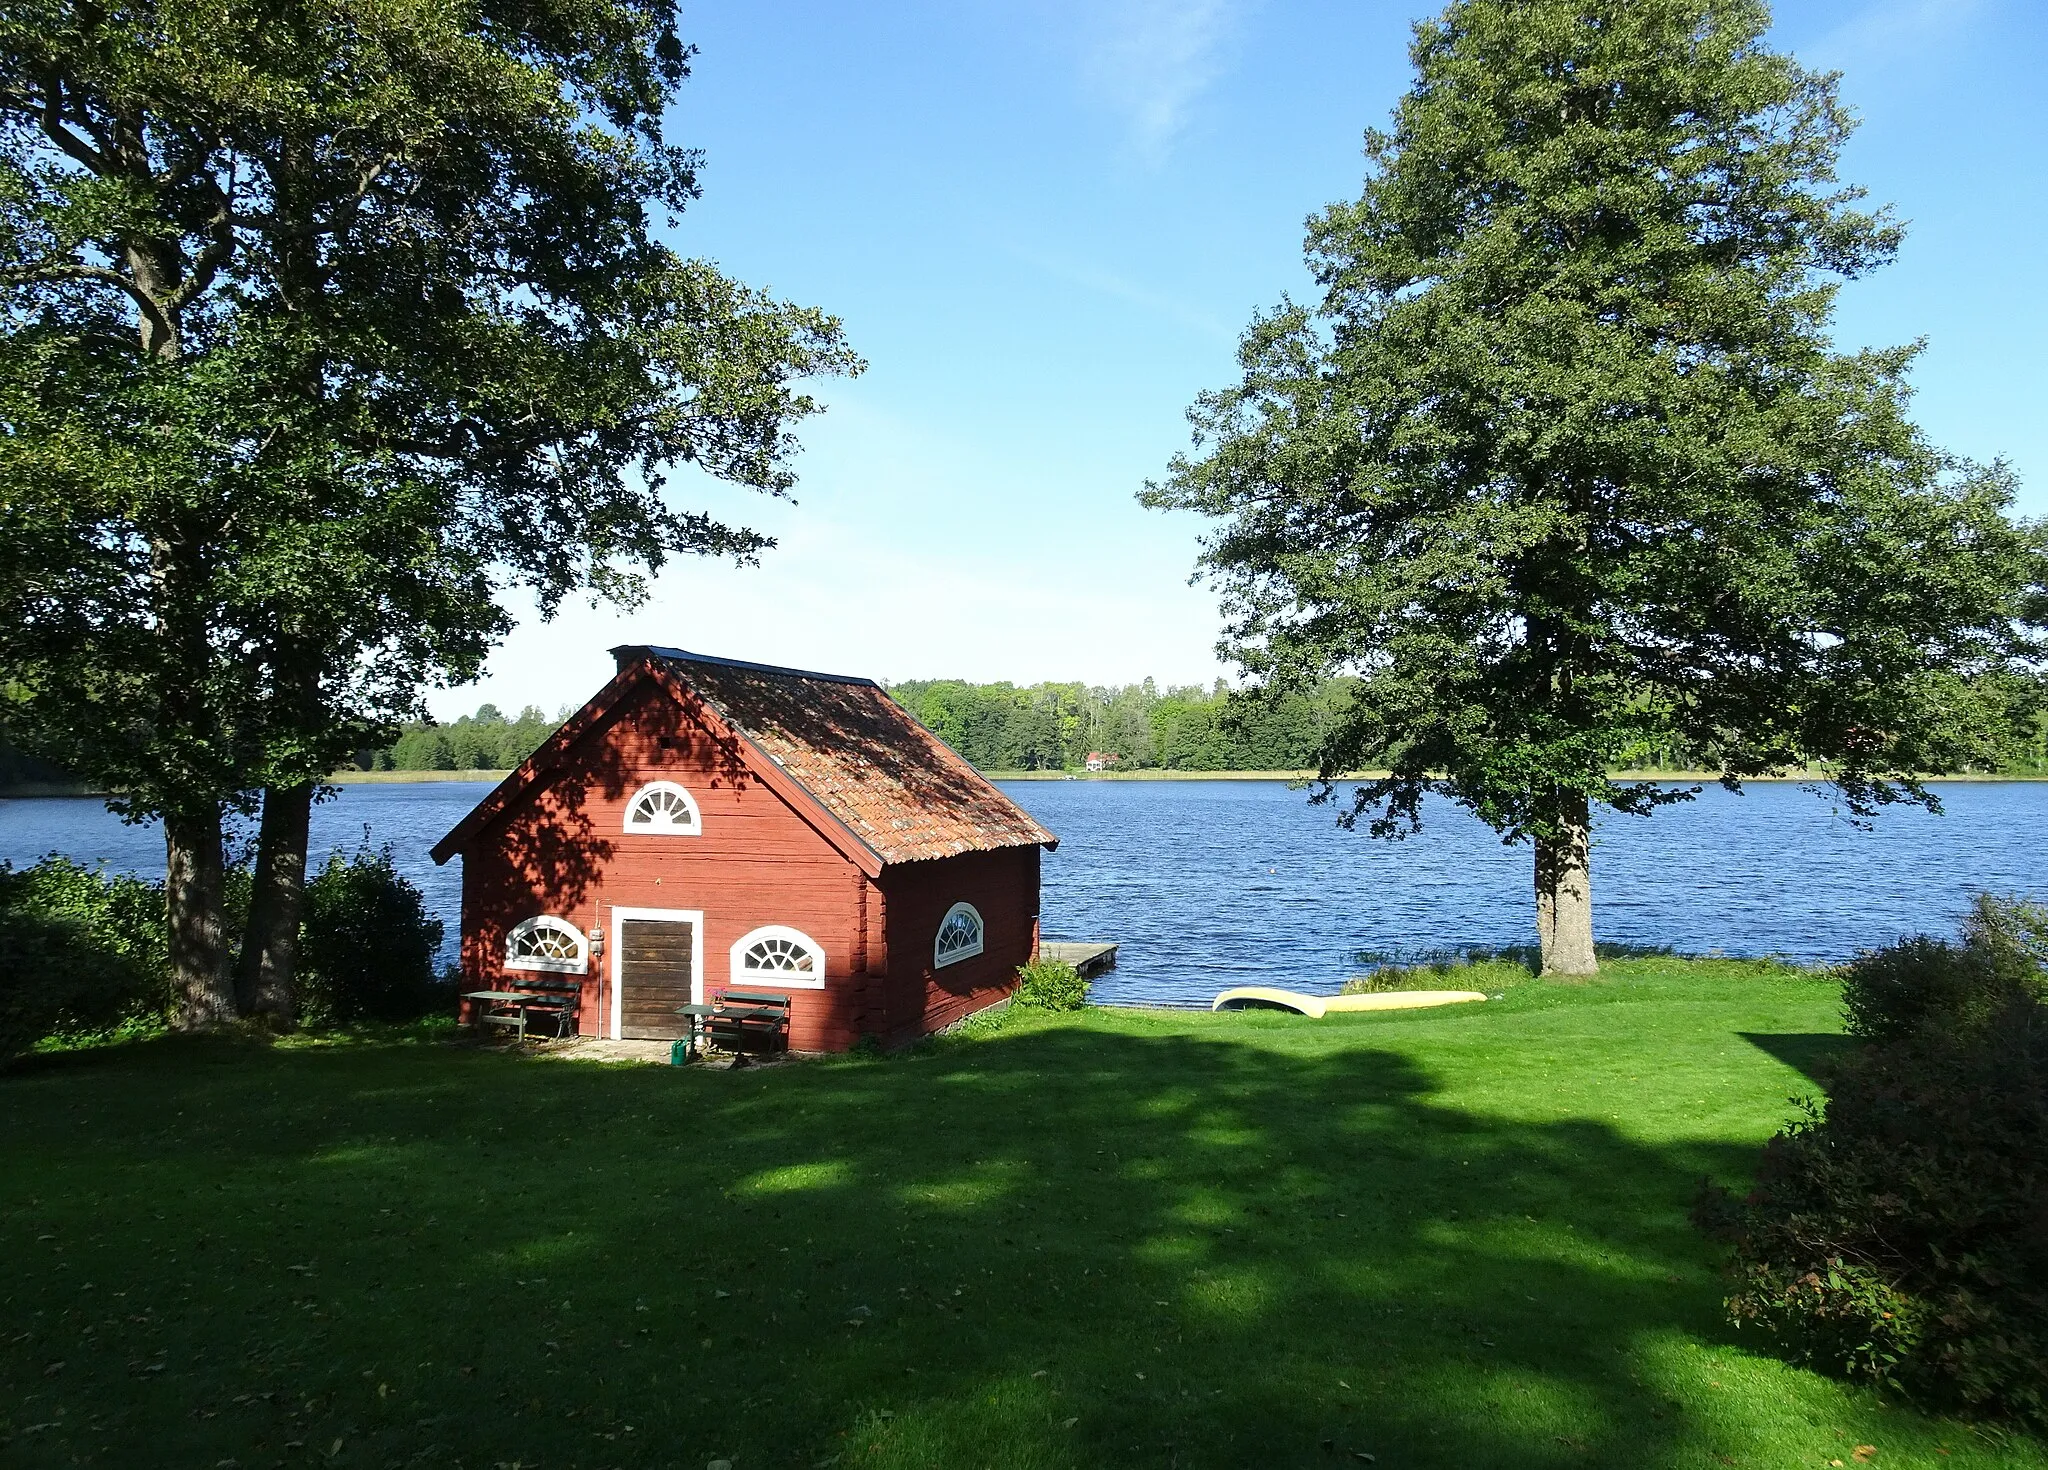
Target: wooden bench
x=532 y=1005
x=748 y=1020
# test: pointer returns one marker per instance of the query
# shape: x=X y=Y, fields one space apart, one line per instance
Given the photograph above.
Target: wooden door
x=654 y=977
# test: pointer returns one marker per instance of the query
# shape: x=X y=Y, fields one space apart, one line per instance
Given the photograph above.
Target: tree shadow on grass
x=1814 y=1055
x=1060 y=1247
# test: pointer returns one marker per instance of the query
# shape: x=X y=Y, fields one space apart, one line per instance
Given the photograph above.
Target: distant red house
x=704 y=823
x=1100 y=760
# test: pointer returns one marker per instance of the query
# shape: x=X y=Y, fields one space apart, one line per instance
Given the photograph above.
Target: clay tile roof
x=897 y=786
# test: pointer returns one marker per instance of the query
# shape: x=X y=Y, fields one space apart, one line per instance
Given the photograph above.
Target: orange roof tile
x=859 y=754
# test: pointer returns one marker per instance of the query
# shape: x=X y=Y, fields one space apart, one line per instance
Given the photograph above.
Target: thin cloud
x=1150 y=60
x=1094 y=278
x=1894 y=30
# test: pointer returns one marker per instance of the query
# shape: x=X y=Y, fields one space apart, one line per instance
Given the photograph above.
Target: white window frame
x=780 y=978
x=940 y=961
x=692 y=917
x=578 y=966
x=696 y=827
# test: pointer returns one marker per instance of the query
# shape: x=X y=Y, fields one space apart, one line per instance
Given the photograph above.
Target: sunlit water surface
x=1208 y=884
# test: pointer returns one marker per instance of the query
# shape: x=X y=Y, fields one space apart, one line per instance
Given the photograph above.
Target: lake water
x=1214 y=883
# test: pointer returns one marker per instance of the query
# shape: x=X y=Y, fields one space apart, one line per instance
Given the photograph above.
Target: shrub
x=1901 y=1234
x=81 y=954
x=1920 y=983
x=367 y=945
x=1050 y=985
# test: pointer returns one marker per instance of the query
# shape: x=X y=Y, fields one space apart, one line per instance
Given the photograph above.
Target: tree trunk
x=266 y=977
x=192 y=900
x=1564 y=893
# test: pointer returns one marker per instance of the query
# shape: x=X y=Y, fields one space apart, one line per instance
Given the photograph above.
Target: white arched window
x=778 y=955
x=663 y=807
x=959 y=936
x=547 y=943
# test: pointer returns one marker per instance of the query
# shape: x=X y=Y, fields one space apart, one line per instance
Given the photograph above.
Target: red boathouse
x=704 y=823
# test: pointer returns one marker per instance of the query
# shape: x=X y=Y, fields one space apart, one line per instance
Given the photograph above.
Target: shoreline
x=402 y=778
x=1672 y=777
x=32 y=790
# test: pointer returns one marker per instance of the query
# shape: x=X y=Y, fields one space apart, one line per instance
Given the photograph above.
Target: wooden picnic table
x=736 y=1017
x=515 y=1008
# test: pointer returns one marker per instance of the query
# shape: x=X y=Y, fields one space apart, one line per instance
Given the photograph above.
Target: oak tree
x=321 y=328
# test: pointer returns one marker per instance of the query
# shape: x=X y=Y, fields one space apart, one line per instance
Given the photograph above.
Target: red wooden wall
x=562 y=849
x=1003 y=886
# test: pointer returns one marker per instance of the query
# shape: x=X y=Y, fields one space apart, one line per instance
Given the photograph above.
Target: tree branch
x=206 y=265
x=51 y=271
x=52 y=123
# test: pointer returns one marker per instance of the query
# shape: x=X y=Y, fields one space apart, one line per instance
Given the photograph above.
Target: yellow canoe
x=1269 y=998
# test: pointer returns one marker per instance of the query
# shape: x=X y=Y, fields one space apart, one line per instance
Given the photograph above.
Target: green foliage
x=1049 y=985
x=367 y=945
x=321 y=330
x=1924 y=984
x=484 y=741
x=1896 y=1233
x=18 y=769
x=1563 y=464
x=81 y=955
x=1051 y=727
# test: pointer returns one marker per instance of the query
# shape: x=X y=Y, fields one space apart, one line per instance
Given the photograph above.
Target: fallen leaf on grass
x=1865 y=1452
x=54 y=1369
x=1070 y=1423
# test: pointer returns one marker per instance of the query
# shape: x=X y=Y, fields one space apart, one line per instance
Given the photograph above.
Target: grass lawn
x=1448 y=1238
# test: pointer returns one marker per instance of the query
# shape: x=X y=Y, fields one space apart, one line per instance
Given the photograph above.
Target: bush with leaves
x=1050 y=985
x=367 y=944
x=1900 y=1233
x=81 y=954
x=1923 y=984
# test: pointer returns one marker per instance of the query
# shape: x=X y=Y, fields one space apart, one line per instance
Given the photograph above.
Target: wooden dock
x=1089 y=957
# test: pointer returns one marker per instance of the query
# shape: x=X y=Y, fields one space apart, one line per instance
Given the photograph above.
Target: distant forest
x=1055 y=727
x=488 y=740
x=1045 y=727
x=999 y=727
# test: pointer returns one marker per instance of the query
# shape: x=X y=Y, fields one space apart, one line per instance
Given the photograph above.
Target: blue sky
x=1045 y=222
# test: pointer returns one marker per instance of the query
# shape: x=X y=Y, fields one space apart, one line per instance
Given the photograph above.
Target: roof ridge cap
x=665 y=652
